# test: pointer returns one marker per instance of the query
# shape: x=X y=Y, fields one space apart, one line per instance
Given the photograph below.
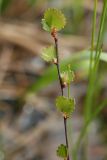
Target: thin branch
x=61 y=85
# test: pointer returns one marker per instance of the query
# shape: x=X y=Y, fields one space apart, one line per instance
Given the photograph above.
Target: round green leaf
x=62 y=151
x=65 y=105
x=48 y=54
x=53 y=19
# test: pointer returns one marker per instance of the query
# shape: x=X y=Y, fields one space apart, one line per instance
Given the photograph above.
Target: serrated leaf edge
x=56 y=10
x=42 y=55
x=66 y=115
x=59 y=147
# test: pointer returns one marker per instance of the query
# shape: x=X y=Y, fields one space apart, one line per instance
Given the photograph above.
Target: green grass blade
x=93 y=74
x=86 y=125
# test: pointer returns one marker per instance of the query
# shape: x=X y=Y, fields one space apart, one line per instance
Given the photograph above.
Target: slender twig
x=61 y=85
x=68 y=91
x=57 y=64
x=65 y=126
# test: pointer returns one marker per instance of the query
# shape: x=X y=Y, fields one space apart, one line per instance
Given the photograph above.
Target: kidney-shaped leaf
x=53 y=19
x=65 y=105
x=62 y=151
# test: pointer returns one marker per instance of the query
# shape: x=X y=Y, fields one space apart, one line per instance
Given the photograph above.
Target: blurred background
x=30 y=126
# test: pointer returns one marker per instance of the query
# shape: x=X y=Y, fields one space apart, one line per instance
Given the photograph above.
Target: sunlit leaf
x=65 y=105
x=53 y=19
x=62 y=151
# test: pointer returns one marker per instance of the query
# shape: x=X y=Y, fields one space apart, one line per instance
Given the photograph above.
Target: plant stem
x=57 y=65
x=89 y=97
x=88 y=102
x=68 y=91
x=89 y=92
x=100 y=35
x=93 y=37
x=62 y=87
x=86 y=125
x=65 y=126
x=92 y=71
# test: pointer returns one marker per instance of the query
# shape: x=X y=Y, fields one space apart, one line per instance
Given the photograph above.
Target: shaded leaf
x=67 y=76
x=65 y=105
x=62 y=151
x=48 y=54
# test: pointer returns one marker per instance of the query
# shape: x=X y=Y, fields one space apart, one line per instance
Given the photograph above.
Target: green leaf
x=67 y=76
x=48 y=54
x=65 y=105
x=62 y=151
x=53 y=19
x=4 y=4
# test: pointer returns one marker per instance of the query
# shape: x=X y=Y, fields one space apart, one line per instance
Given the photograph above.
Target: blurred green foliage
x=4 y=4
x=75 y=15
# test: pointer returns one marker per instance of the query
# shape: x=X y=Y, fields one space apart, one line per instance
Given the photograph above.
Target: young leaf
x=65 y=105
x=67 y=76
x=48 y=54
x=53 y=19
x=62 y=151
